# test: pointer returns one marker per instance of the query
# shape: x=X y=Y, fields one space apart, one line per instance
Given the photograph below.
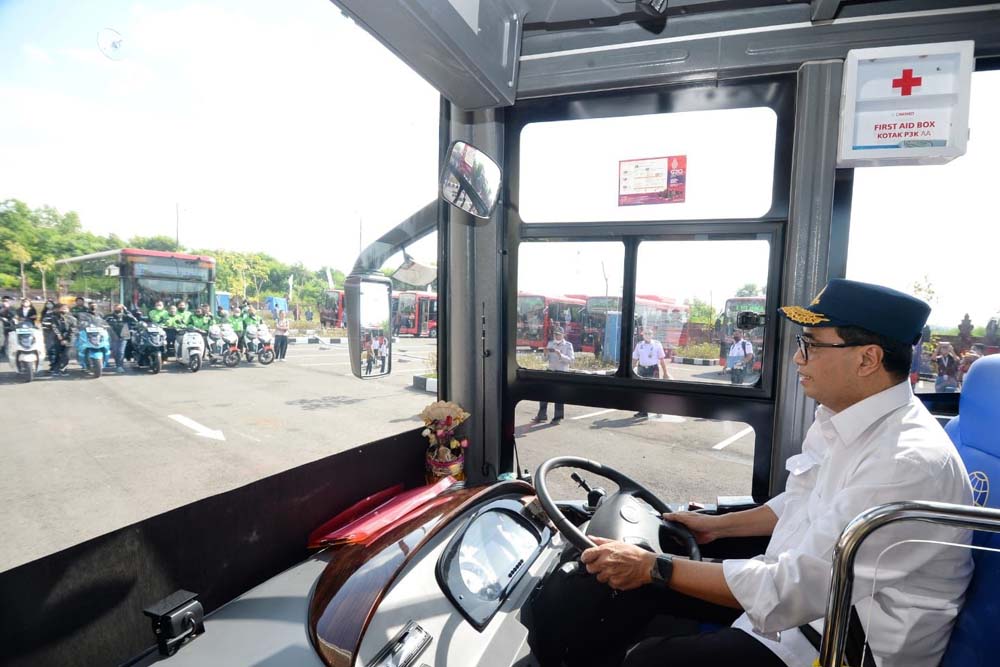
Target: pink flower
x=464 y=443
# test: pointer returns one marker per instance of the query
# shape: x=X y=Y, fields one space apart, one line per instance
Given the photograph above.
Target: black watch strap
x=662 y=570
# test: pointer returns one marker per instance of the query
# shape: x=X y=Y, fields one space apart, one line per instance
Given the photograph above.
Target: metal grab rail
x=838 y=607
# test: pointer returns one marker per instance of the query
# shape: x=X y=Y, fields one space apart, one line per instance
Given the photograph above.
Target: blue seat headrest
x=979 y=406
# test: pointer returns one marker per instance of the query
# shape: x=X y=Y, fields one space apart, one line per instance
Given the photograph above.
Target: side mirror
x=471 y=180
x=748 y=320
x=369 y=336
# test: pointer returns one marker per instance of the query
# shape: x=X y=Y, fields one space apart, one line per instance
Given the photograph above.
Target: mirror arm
x=413 y=228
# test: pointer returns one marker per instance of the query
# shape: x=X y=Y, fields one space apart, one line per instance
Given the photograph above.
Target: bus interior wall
x=83 y=605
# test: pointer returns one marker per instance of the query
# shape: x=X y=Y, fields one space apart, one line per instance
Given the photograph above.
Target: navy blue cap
x=848 y=303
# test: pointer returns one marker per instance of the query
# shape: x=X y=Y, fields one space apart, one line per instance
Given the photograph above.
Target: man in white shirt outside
x=650 y=360
x=560 y=358
x=740 y=357
x=872 y=442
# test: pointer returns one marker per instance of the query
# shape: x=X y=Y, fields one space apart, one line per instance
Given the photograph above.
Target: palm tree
x=43 y=266
x=20 y=255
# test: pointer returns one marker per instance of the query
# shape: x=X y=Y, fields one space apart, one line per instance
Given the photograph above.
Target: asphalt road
x=80 y=457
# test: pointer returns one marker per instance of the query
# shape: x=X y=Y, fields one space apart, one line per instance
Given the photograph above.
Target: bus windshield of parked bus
x=179 y=159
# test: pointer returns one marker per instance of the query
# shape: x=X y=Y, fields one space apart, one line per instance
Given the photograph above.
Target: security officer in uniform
x=651 y=360
x=560 y=358
x=872 y=442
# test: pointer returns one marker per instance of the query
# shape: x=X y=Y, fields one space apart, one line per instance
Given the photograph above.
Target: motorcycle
x=25 y=349
x=189 y=348
x=93 y=347
x=259 y=342
x=223 y=343
x=149 y=343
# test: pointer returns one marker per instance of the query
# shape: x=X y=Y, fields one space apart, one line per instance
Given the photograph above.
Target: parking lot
x=81 y=457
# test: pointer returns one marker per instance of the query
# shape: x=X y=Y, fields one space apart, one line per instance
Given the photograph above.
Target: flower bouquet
x=445 y=455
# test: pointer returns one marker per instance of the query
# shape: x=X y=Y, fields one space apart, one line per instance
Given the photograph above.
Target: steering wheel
x=631 y=515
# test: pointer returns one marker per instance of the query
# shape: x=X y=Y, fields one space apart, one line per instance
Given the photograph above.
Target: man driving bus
x=872 y=442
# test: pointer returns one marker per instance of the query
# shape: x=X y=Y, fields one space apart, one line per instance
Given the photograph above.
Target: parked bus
x=667 y=318
x=331 y=311
x=563 y=94
x=538 y=315
x=135 y=277
x=416 y=314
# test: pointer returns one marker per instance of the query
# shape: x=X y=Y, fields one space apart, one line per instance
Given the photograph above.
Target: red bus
x=538 y=315
x=663 y=314
x=415 y=314
x=332 y=311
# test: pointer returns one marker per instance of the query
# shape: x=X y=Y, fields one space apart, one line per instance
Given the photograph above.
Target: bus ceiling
x=482 y=55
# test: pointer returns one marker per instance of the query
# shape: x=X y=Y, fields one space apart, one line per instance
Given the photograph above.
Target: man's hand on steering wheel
x=704 y=527
x=622 y=566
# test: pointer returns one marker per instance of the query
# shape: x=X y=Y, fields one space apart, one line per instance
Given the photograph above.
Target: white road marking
x=733 y=438
x=249 y=437
x=667 y=419
x=199 y=429
x=594 y=414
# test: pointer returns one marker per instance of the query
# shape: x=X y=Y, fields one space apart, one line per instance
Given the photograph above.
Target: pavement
x=80 y=457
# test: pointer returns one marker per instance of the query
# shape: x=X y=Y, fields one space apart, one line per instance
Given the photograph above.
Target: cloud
x=36 y=54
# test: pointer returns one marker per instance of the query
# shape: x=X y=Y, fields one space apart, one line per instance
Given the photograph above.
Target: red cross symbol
x=907 y=82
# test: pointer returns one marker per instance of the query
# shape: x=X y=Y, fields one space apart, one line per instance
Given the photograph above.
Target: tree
x=924 y=289
x=164 y=243
x=20 y=255
x=700 y=312
x=43 y=266
x=750 y=289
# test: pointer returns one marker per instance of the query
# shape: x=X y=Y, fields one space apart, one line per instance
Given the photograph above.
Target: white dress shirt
x=883 y=449
x=648 y=354
x=560 y=353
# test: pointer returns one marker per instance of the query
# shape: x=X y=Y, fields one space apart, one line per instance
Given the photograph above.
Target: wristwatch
x=662 y=570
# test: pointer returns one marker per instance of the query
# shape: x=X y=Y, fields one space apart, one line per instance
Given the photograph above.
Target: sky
x=275 y=126
x=283 y=127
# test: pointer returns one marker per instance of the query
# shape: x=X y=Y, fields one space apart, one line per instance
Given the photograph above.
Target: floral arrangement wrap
x=445 y=453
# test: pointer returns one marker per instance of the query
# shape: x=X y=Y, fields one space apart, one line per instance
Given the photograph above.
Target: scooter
x=223 y=343
x=189 y=348
x=25 y=350
x=259 y=342
x=150 y=345
x=93 y=348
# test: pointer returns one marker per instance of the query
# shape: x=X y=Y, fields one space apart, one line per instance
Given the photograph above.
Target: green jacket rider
x=158 y=314
x=251 y=317
x=202 y=320
x=236 y=319
x=183 y=317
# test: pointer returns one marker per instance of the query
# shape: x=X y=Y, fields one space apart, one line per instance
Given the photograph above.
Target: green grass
x=698 y=351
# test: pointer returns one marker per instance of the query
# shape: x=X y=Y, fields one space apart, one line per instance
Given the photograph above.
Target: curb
x=315 y=340
x=694 y=361
x=427 y=384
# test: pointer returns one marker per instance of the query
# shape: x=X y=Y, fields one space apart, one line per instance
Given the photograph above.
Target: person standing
x=281 y=335
x=121 y=322
x=6 y=320
x=63 y=325
x=383 y=350
x=49 y=311
x=651 y=361
x=740 y=357
x=369 y=352
x=560 y=357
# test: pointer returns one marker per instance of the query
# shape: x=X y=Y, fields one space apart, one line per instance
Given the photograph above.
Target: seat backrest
x=976 y=433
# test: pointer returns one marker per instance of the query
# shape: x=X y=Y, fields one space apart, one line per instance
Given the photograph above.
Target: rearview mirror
x=471 y=180
x=748 y=320
x=369 y=337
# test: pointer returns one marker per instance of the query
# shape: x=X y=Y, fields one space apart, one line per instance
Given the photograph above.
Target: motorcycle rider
x=80 y=307
x=48 y=313
x=63 y=325
x=251 y=317
x=121 y=322
x=202 y=320
x=27 y=312
x=183 y=317
x=158 y=315
x=236 y=319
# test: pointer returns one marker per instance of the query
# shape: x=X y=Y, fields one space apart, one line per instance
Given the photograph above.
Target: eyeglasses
x=804 y=346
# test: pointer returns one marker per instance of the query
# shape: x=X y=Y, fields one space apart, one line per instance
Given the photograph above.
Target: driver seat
x=976 y=433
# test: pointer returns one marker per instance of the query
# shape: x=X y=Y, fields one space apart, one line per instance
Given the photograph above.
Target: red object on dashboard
x=373 y=514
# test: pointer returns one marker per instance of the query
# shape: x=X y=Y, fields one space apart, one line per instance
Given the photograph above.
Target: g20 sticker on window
x=654 y=180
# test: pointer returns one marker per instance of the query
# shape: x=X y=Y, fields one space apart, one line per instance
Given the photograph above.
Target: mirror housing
x=471 y=180
x=747 y=320
x=369 y=308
